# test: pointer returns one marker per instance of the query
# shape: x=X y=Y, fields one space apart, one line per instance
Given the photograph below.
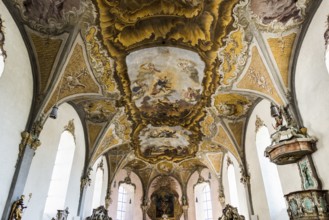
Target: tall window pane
x=61 y=175
x=98 y=188
x=232 y=186
x=122 y=200
x=125 y=202
x=271 y=177
x=207 y=209
x=203 y=204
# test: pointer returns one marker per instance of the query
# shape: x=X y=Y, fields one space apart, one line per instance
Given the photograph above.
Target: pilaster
x=29 y=144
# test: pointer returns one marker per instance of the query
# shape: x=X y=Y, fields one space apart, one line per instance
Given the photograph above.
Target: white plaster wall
x=312 y=89
x=137 y=210
x=214 y=186
x=16 y=90
x=42 y=165
x=289 y=174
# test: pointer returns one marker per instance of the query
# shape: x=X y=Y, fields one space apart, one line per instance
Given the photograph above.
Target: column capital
x=86 y=180
x=28 y=139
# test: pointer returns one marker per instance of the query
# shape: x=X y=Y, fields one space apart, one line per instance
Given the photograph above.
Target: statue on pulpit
x=287 y=130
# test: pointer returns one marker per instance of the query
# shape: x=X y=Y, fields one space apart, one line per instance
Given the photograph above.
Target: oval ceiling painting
x=156 y=76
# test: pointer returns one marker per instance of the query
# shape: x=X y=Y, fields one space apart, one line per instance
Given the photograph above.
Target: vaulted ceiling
x=161 y=86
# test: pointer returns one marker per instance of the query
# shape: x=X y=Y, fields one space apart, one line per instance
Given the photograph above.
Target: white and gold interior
x=166 y=92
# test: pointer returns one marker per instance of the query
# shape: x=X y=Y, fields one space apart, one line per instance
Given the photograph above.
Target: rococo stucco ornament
x=308 y=204
x=3 y=53
x=231 y=213
x=99 y=213
x=51 y=17
x=326 y=34
x=86 y=180
x=278 y=15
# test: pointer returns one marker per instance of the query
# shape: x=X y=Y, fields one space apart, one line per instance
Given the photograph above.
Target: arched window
x=125 y=202
x=98 y=188
x=232 y=186
x=271 y=177
x=203 y=204
x=61 y=175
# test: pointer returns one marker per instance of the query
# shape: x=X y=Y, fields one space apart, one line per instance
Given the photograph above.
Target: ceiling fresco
x=163 y=87
x=156 y=75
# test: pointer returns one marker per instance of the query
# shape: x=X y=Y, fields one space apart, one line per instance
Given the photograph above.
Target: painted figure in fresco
x=147 y=69
x=161 y=85
x=138 y=89
x=17 y=208
x=191 y=95
x=189 y=67
x=226 y=109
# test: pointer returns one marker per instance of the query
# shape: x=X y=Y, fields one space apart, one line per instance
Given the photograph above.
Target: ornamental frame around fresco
x=184 y=25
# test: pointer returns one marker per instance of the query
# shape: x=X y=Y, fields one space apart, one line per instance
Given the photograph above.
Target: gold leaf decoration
x=45 y=58
x=258 y=79
x=216 y=160
x=231 y=105
x=75 y=80
x=224 y=140
x=282 y=50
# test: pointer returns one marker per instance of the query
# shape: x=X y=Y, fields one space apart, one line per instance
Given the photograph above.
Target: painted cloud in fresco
x=165 y=81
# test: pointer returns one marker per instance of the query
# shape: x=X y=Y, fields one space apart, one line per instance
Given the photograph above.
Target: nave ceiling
x=161 y=86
